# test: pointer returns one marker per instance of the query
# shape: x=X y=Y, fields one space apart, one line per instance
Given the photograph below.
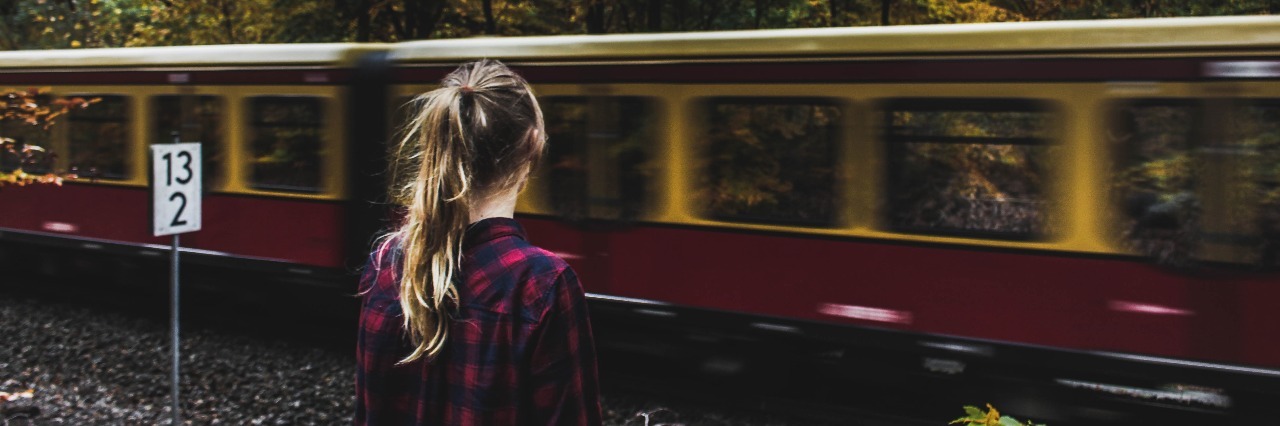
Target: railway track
x=98 y=355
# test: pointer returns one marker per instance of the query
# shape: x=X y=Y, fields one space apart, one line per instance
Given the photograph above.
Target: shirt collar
x=491 y=229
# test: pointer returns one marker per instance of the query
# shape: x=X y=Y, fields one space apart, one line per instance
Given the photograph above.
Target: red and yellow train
x=1091 y=204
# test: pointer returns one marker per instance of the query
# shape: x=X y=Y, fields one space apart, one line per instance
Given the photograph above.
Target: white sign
x=175 y=188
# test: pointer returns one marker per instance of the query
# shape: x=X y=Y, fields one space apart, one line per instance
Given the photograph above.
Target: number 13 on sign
x=175 y=188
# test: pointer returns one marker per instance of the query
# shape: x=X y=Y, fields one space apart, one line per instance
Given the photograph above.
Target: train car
x=274 y=123
x=1070 y=209
x=1065 y=211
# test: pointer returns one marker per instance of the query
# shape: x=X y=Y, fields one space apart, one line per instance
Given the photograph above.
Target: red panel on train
x=296 y=231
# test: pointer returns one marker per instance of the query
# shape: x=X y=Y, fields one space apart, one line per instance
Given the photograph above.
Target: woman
x=463 y=321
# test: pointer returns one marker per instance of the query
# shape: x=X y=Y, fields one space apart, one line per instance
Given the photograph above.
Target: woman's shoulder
x=550 y=275
x=541 y=262
x=527 y=275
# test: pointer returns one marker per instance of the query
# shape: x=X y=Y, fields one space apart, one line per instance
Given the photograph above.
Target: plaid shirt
x=519 y=350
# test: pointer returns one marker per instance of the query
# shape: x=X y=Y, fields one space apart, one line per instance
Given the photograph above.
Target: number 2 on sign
x=175 y=188
x=176 y=216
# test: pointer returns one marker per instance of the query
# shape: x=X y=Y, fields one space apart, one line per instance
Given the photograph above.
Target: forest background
x=59 y=24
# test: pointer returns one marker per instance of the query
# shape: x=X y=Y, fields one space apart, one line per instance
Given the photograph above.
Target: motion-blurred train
x=1084 y=211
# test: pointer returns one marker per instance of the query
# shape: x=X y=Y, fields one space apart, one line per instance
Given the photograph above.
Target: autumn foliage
x=975 y=416
x=25 y=112
x=55 y=24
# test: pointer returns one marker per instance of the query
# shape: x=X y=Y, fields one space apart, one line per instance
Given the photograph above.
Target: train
x=1075 y=210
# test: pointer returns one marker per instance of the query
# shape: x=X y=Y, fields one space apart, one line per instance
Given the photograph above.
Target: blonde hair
x=475 y=136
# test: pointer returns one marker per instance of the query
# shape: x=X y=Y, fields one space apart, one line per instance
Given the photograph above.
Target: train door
x=597 y=171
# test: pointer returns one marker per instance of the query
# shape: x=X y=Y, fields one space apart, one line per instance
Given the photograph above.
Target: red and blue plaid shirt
x=519 y=351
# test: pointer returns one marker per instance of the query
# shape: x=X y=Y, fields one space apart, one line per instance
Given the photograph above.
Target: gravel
x=99 y=366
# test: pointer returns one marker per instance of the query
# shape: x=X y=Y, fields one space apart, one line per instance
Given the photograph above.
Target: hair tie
x=466 y=89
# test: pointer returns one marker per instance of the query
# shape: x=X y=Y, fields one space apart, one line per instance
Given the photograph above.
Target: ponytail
x=478 y=134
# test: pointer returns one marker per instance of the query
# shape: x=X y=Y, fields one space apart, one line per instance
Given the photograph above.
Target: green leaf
x=974 y=412
x=1009 y=421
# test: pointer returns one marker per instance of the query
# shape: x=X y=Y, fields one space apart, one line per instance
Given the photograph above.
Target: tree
x=58 y=24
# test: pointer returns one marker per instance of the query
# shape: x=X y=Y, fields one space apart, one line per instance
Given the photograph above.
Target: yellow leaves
x=33 y=107
x=974 y=416
x=75 y=44
x=21 y=178
x=993 y=416
x=28 y=394
x=26 y=106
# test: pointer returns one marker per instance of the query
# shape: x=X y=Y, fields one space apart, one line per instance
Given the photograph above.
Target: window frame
x=893 y=146
x=129 y=174
x=840 y=132
x=651 y=106
x=253 y=124
x=222 y=177
x=1118 y=157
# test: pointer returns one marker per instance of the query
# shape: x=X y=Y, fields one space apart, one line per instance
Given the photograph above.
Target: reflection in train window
x=967 y=167
x=97 y=144
x=1253 y=160
x=192 y=119
x=1155 y=176
x=598 y=158
x=1196 y=180
x=770 y=160
x=22 y=133
x=287 y=143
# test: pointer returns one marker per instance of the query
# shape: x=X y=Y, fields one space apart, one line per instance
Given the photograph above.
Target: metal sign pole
x=175 y=378
x=173 y=326
x=175 y=201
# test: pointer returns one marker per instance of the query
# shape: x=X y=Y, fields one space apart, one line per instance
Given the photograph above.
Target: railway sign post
x=175 y=209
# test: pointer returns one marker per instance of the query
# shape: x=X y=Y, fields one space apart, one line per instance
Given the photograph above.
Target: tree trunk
x=411 y=18
x=419 y=19
x=654 y=19
x=885 y=5
x=362 y=13
x=227 y=23
x=680 y=14
x=762 y=7
x=425 y=17
x=11 y=42
x=490 y=27
x=595 y=17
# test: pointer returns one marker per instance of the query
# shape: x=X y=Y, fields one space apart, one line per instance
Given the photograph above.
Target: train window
x=287 y=143
x=97 y=139
x=597 y=160
x=967 y=167
x=1252 y=158
x=1154 y=177
x=1196 y=180
x=22 y=133
x=192 y=119
x=770 y=160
